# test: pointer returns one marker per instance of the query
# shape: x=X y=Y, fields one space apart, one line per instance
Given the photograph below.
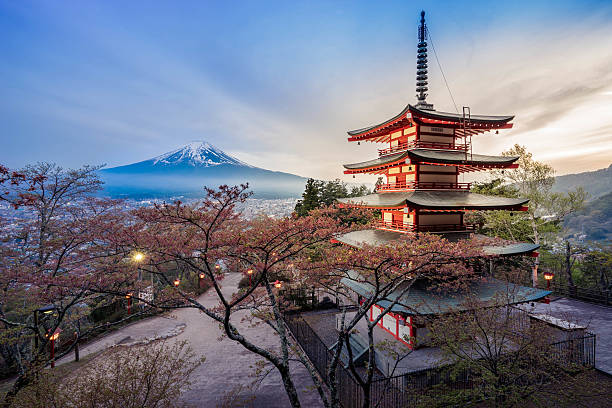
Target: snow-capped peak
x=198 y=154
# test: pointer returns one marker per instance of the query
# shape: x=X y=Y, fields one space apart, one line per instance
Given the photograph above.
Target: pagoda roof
x=373 y=237
x=378 y=162
x=367 y=129
x=435 y=200
x=476 y=123
x=423 y=299
x=458 y=117
x=519 y=248
x=376 y=237
x=465 y=161
x=455 y=157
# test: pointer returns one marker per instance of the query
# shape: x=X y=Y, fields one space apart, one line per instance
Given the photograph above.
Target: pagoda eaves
x=412 y=115
x=465 y=162
x=436 y=200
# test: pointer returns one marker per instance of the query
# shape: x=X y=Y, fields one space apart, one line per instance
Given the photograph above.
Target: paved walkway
x=597 y=318
x=228 y=365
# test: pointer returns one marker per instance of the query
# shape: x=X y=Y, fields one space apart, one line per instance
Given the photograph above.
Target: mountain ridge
x=597 y=183
x=186 y=170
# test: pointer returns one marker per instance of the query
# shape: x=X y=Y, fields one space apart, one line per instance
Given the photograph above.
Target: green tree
x=310 y=198
x=319 y=194
x=597 y=267
x=332 y=190
x=543 y=219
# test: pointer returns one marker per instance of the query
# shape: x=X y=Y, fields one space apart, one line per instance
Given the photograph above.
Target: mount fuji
x=186 y=170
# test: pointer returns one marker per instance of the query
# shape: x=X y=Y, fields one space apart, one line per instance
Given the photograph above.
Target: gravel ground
x=228 y=365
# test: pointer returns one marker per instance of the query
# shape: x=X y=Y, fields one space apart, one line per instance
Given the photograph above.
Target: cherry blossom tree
x=50 y=252
x=211 y=238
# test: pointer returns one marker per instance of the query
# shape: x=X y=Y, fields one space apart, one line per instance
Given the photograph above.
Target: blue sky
x=278 y=84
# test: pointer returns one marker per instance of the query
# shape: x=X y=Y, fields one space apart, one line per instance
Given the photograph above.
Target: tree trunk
x=568 y=267
x=536 y=263
x=289 y=387
x=22 y=381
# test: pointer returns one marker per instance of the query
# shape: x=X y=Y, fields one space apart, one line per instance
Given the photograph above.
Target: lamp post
x=201 y=280
x=52 y=338
x=129 y=303
x=250 y=273
x=45 y=310
x=548 y=276
x=138 y=257
x=76 y=346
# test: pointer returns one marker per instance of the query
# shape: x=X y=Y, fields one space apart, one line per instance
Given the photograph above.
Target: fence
x=588 y=295
x=579 y=351
x=411 y=388
x=311 y=298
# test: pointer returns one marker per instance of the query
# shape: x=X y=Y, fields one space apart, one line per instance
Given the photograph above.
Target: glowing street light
x=548 y=276
x=129 y=303
x=278 y=284
x=52 y=338
x=45 y=310
x=250 y=273
x=201 y=279
x=138 y=257
x=177 y=281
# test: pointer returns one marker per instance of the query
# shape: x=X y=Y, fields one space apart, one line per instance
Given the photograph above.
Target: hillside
x=596 y=183
x=186 y=170
x=594 y=221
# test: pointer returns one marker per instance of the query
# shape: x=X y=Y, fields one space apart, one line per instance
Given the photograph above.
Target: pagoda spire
x=421 y=73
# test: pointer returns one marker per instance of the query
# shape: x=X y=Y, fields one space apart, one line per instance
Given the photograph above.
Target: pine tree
x=310 y=197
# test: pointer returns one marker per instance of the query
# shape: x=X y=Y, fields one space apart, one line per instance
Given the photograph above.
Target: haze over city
x=278 y=84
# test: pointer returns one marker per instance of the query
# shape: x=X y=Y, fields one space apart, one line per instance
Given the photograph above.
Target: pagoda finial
x=421 y=77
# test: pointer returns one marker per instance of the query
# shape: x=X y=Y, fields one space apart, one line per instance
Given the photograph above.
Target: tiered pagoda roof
x=427 y=151
x=436 y=200
x=464 y=161
x=411 y=115
x=422 y=300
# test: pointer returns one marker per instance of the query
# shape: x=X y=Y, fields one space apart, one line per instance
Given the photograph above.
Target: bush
x=147 y=376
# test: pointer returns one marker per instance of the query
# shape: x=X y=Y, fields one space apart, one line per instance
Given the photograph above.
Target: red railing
x=447 y=227
x=423 y=185
x=400 y=226
x=396 y=225
x=423 y=144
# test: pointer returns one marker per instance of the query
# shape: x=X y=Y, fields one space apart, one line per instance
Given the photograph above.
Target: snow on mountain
x=197 y=154
x=185 y=171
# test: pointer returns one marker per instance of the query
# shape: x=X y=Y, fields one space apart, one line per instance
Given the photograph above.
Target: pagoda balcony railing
x=402 y=227
x=447 y=227
x=422 y=144
x=423 y=185
x=396 y=226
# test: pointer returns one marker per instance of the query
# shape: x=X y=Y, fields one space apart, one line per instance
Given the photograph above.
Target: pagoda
x=425 y=151
x=423 y=155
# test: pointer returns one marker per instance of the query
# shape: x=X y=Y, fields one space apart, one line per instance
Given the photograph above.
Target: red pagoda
x=426 y=151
